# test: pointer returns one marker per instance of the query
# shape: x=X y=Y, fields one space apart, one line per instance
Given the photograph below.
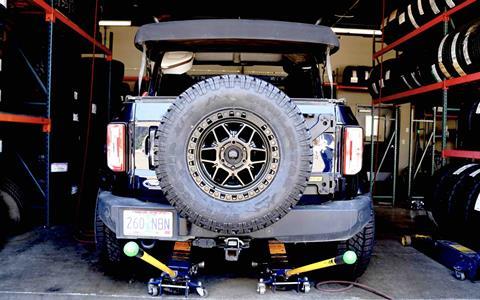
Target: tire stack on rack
x=356 y=75
x=456 y=55
x=410 y=15
x=454 y=202
x=76 y=10
x=94 y=138
x=469 y=121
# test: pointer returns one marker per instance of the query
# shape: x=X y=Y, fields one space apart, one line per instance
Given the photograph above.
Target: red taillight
x=352 y=150
x=116 y=147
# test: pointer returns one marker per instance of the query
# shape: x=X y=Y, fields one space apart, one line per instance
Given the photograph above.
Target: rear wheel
x=108 y=246
x=362 y=244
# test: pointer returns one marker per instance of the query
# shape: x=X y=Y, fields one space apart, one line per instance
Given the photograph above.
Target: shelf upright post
x=434 y=140
x=395 y=155
x=372 y=149
x=444 y=120
x=50 y=22
x=410 y=151
x=444 y=100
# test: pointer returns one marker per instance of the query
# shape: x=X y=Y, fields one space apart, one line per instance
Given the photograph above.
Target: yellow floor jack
x=276 y=276
x=177 y=277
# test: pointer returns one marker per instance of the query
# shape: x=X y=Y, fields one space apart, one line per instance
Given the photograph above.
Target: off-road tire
x=242 y=93
x=362 y=244
x=13 y=201
x=108 y=246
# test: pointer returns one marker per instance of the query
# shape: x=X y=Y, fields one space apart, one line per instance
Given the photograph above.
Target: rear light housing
x=352 y=150
x=116 y=157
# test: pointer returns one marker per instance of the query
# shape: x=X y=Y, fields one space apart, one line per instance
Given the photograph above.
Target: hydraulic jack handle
x=131 y=249
x=348 y=258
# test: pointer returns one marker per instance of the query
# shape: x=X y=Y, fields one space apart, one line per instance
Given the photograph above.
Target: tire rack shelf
x=429 y=88
x=51 y=15
x=14 y=118
x=461 y=154
x=443 y=86
x=435 y=21
x=341 y=87
x=352 y=88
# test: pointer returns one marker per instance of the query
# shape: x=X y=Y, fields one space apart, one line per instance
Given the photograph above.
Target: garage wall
x=124 y=50
x=354 y=50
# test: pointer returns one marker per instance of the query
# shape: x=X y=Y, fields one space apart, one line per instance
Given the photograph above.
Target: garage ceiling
x=341 y=13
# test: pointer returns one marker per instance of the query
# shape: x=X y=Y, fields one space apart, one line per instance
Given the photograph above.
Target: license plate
x=148 y=223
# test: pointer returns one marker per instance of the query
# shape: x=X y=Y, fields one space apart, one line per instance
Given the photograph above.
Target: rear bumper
x=332 y=221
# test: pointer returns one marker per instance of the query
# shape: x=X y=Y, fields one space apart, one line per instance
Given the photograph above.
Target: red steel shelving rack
x=403 y=97
x=51 y=16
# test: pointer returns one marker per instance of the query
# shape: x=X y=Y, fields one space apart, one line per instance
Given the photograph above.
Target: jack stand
x=279 y=277
x=176 y=278
x=464 y=262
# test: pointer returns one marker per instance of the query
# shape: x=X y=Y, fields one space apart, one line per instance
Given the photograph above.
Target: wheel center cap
x=233 y=154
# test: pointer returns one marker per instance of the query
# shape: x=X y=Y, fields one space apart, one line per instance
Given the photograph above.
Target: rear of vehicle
x=234 y=142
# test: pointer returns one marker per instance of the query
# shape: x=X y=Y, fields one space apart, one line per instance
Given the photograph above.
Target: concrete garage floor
x=50 y=264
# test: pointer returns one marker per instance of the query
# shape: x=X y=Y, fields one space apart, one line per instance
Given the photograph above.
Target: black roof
x=237 y=35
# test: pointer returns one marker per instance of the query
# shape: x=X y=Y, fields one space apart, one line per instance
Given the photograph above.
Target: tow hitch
x=177 y=277
x=277 y=275
x=233 y=247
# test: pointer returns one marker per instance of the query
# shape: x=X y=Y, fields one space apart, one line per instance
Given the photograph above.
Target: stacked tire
x=469 y=121
x=356 y=75
x=454 y=202
x=456 y=55
x=412 y=14
x=90 y=127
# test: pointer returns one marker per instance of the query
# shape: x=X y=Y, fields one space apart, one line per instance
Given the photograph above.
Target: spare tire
x=233 y=154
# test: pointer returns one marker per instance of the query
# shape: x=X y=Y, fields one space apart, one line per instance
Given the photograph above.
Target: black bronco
x=233 y=141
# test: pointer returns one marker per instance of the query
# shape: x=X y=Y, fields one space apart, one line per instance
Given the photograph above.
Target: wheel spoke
x=258 y=149
x=241 y=129
x=215 y=136
x=238 y=177
x=208 y=148
x=215 y=173
x=208 y=161
x=225 y=181
x=251 y=136
x=251 y=174
x=258 y=162
x=226 y=130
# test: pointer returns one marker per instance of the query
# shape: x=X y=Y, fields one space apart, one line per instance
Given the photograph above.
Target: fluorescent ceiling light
x=356 y=31
x=114 y=23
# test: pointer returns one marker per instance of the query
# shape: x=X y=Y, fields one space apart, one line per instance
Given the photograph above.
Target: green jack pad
x=349 y=257
x=131 y=249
